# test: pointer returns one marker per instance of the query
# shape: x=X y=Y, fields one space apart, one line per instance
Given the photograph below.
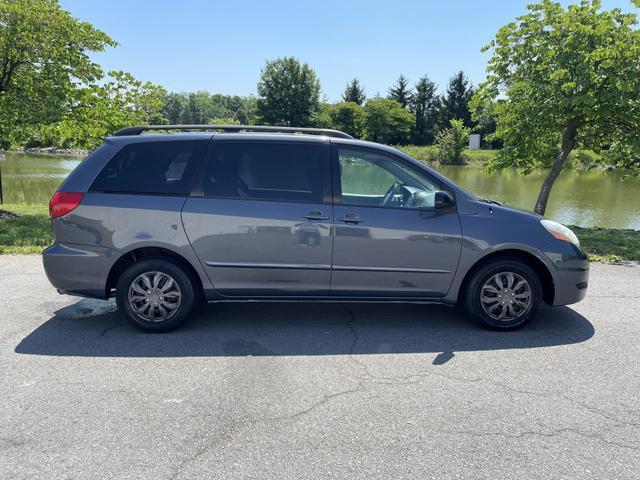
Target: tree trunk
x=568 y=143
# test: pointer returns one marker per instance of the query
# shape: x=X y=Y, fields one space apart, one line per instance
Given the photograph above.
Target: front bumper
x=79 y=269
x=569 y=268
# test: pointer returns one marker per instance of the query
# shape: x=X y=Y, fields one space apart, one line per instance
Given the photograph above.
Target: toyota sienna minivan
x=164 y=221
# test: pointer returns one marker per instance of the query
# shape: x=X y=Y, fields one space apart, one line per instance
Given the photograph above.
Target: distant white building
x=474 y=141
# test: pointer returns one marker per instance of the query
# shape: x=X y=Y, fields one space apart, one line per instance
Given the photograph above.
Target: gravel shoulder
x=318 y=390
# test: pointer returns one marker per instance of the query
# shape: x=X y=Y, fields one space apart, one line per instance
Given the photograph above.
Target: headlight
x=560 y=232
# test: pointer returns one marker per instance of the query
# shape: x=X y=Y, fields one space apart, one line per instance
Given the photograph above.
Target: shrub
x=223 y=121
x=387 y=122
x=348 y=117
x=452 y=142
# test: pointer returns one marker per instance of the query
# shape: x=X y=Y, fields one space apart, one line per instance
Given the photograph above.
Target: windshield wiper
x=486 y=200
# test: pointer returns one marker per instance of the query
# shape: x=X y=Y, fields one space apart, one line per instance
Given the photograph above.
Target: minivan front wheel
x=504 y=295
x=155 y=294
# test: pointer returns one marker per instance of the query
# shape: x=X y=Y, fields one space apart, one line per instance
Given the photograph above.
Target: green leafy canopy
x=288 y=93
x=558 y=72
x=386 y=121
x=44 y=53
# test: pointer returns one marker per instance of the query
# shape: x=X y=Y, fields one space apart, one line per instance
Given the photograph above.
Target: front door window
x=374 y=179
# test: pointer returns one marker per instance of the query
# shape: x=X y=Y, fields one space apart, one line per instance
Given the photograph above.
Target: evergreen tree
x=401 y=92
x=354 y=93
x=425 y=105
x=455 y=103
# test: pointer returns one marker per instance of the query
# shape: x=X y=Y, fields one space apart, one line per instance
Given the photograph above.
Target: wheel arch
x=141 y=253
x=538 y=266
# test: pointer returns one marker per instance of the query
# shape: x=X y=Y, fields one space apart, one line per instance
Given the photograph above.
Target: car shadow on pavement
x=93 y=328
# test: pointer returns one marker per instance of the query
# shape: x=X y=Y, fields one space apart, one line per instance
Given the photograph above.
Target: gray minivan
x=163 y=221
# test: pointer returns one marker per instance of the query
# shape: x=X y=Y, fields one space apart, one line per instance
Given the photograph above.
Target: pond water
x=578 y=197
x=33 y=178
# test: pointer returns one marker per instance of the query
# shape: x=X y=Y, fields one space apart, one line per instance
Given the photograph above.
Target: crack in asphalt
x=554 y=433
x=362 y=379
x=408 y=380
x=232 y=427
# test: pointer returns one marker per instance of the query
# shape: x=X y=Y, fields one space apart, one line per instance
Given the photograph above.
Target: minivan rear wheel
x=504 y=295
x=155 y=294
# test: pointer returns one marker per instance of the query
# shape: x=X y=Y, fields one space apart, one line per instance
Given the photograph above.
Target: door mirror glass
x=443 y=200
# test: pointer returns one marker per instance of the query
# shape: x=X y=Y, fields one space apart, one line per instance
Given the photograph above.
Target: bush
x=348 y=117
x=452 y=142
x=223 y=121
x=387 y=122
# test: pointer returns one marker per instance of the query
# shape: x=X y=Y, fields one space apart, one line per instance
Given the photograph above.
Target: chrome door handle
x=352 y=218
x=315 y=215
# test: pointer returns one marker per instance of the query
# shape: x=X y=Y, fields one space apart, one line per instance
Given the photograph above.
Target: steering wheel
x=391 y=192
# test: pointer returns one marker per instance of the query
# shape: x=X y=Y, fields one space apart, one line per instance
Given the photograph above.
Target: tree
x=387 y=122
x=455 y=103
x=173 y=106
x=401 y=92
x=452 y=142
x=202 y=107
x=321 y=118
x=44 y=53
x=348 y=117
x=354 y=93
x=101 y=109
x=425 y=105
x=288 y=93
x=560 y=79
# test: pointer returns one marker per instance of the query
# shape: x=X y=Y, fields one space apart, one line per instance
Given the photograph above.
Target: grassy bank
x=609 y=244
x=578 y=159
x=429 y=154
x=30 y=232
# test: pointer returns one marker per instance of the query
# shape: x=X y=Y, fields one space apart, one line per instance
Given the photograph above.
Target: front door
x=263 y=224
x=389 y=238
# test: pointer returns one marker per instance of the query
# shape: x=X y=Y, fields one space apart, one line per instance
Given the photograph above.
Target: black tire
x=474 y=306
x=176 y=273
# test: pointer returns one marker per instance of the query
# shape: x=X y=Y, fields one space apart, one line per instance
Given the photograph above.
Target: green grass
x=429 y=154
x=609 y=244
x=478 y=157
x=579 y=159
x=29 y=233
x=425 y=153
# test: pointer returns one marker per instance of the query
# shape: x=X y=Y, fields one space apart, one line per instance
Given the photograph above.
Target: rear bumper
x=570 y=271
x=79 y=269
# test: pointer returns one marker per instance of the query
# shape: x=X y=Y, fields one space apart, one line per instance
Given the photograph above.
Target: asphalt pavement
x=305 y=391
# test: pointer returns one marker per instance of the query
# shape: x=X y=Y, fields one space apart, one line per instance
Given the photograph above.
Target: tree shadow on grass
x=93 y=328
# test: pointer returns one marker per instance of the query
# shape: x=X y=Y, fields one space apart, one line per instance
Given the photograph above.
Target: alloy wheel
x=154 y=296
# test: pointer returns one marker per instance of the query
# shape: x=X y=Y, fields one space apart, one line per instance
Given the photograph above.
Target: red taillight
x=63 y=202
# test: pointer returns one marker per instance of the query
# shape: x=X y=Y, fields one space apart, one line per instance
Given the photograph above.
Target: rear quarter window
x=164 y=168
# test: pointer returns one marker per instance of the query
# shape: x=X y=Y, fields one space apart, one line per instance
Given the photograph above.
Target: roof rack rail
x=137 y=130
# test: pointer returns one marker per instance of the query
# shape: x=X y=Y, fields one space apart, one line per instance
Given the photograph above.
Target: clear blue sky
x=220 y=46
